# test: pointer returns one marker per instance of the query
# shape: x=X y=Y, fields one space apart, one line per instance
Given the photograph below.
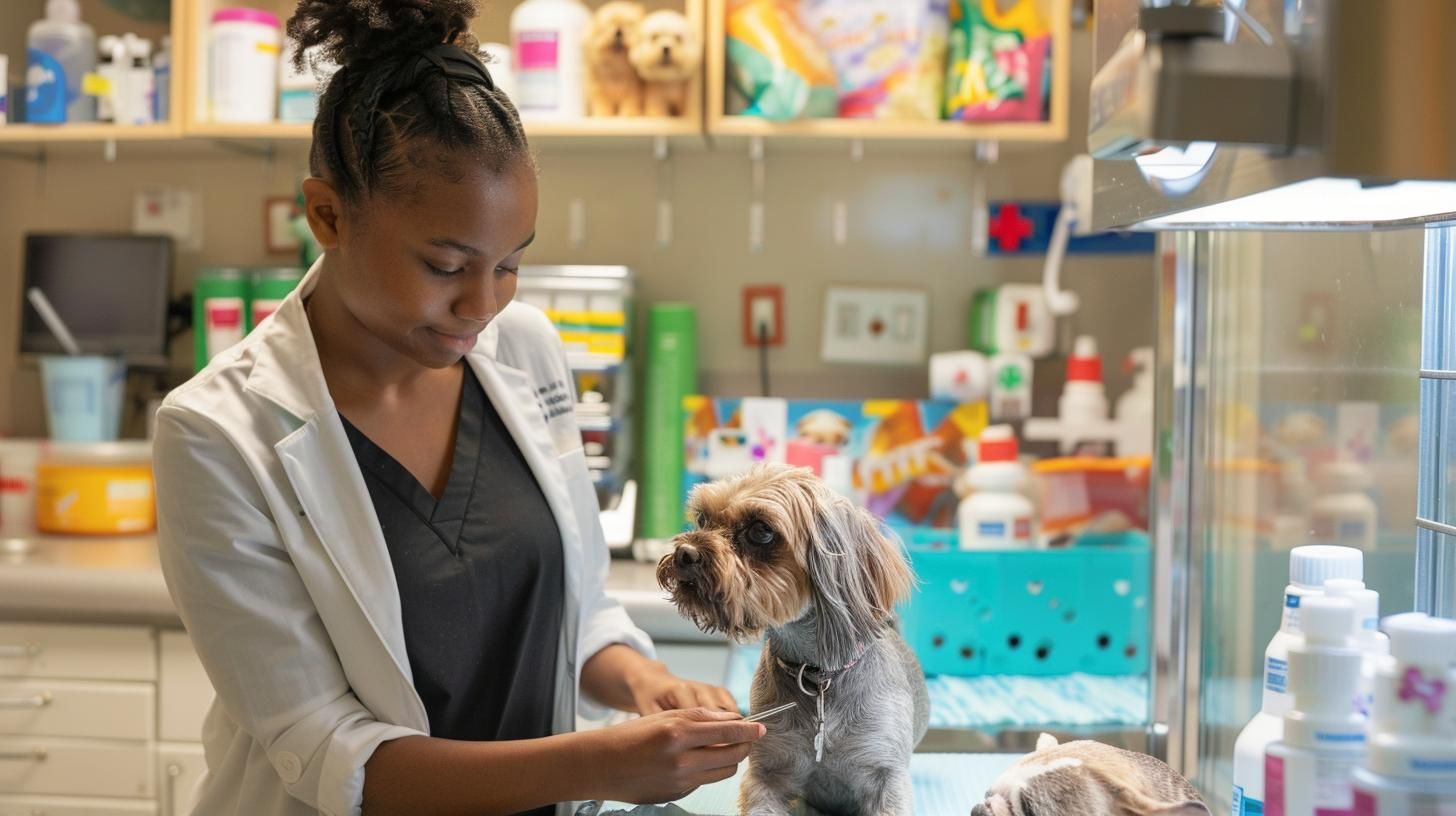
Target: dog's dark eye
x=760 y=534
x=702 y=521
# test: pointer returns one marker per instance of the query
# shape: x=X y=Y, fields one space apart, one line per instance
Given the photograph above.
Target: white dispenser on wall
x=1310 y=772
x=1309 y=568
x=1410 y=766
x=61 y=52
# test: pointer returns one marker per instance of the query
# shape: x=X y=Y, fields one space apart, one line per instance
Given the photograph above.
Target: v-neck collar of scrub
x=445 y=515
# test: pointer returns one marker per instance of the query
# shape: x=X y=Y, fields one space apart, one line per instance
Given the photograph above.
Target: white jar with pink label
x=547 y=46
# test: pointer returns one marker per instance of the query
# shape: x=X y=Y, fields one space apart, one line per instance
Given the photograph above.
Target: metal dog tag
x=819 y=735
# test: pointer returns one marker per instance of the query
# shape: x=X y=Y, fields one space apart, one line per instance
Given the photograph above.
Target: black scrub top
x=480 y=576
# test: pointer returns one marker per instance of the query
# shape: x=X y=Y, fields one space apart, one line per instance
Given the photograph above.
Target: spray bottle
x=1410 y=769
x=1310 y=772
x=1366 y=634
x=1309 y=568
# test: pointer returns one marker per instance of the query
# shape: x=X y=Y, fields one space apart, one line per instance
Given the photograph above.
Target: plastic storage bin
x=1083 y=608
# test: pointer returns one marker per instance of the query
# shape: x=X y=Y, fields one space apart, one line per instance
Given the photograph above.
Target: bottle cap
x=1312 y=565
x=1085 y=364
x=1419 y=638
x=998 y=444
x=1366 y=601
x=1327 y=621
x=65 y=11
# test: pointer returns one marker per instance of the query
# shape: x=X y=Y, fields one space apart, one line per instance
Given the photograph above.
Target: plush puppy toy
x=666 y=56
x=613 y=87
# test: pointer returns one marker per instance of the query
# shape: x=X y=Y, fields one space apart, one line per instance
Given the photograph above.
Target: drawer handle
x=36 y=754
x=23 y=651
x=173 y=771
x=33 y=701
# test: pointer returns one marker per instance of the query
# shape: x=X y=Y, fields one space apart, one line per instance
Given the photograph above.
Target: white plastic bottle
x=1310 y=772
x=140 y=82
x=1367 y=635
x=111 y=68
x=996 y=515
x=548 y=46
x=1309 y=568
x=1343 y=513
x=61 y=52
x=1135 y=408
x=1410 y=766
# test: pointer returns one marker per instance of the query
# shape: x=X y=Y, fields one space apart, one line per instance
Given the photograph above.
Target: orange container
x=95 y=489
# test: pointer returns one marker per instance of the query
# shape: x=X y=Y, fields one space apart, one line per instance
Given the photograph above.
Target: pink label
x=1273 y=785
x=224 y=316
x=1364 y=804
x=536 y=50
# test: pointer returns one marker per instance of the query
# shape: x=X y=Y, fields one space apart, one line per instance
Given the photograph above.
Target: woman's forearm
x=425 y=776
x=608 y=676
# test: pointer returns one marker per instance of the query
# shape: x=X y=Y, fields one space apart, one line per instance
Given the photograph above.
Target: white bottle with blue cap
x=1410 y=766
x=1309 y=568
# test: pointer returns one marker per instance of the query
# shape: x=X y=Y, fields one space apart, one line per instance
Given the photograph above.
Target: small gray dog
x=1086 y=778
x=777 y=554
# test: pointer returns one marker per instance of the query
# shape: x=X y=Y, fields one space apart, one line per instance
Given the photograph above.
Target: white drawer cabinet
x=63 y=651
x=181 y=767
x=76 y=708
x=69 y=767
x=184 y=692
x=68 y=806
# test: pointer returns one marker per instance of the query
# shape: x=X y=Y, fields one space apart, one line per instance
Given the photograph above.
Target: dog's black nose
x=981 y=810
x=686 y=559
x=666 y=53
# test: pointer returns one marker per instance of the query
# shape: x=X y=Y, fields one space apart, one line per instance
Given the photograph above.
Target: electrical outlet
x=763 y=306
x=873 y=325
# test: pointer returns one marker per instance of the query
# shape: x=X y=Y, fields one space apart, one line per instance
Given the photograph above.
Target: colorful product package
x=776 y=65
x=899 y=458
x=997 y=67
x=888 y=55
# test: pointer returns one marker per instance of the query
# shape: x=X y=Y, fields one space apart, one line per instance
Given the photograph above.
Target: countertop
x=119 y=580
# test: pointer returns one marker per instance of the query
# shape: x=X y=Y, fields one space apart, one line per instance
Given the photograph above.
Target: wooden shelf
x=42 y=135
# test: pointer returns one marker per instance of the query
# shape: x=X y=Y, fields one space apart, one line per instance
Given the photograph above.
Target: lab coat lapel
x=333 y=498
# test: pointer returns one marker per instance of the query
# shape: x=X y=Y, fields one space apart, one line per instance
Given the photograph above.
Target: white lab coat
x=275 y=560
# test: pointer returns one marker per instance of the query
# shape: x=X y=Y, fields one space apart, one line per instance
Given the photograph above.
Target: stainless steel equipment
x=1336 y=119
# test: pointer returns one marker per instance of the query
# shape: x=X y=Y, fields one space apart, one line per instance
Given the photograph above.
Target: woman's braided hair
x=373 y=128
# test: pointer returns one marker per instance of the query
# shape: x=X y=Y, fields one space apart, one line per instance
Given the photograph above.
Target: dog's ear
x=1046 y=742
x=1132 y=801
x=857 y=574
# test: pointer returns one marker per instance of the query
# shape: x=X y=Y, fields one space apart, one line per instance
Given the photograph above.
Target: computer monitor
x=112 y=291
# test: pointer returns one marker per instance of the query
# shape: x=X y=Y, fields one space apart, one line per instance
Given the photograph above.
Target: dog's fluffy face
x=1089 y=779
x=614 y=30
x=773 y=544
x=667 y=48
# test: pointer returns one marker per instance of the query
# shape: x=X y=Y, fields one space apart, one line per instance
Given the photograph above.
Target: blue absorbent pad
x=1004 y=701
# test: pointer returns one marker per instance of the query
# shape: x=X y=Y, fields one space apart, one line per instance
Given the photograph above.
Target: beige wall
x=909 y=218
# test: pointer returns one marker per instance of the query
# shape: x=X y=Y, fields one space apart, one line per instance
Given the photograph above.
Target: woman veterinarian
x=376 y=521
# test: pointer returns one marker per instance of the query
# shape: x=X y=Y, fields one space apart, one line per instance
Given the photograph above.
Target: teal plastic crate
x=1029 y=612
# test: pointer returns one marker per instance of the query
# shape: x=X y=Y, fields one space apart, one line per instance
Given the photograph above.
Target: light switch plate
x=875 y=325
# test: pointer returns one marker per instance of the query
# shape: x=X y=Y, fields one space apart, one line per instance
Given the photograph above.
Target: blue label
x=1433 y=765
x=1351 y=530
x=1246 y=806
x=45 y=83
x=1276 y=675
x=1326 y=736
x=992 y=529
x=1291 y=601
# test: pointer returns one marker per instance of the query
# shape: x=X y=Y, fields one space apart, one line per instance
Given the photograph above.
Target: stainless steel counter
x=120 y=580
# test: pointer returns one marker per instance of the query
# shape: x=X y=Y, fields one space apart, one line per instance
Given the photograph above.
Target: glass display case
x=1290 y=415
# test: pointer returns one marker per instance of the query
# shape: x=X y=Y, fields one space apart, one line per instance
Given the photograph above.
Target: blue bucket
x=83 y=397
